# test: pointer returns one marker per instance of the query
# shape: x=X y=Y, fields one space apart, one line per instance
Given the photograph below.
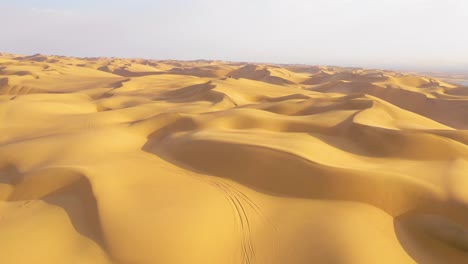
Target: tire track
x=88 y=126
x=246 y=199
x=244 y=208
x=248 y=252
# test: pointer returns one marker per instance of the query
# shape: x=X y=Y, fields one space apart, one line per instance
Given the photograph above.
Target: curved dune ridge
x=107 y=160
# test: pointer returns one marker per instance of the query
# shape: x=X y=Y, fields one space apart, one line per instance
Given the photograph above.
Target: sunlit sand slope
x=141 y=161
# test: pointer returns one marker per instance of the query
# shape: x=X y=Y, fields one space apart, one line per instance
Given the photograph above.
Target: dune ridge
x=108 y=160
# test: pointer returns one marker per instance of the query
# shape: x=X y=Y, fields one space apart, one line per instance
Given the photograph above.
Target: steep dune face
x=269 y=74
x=142 y=161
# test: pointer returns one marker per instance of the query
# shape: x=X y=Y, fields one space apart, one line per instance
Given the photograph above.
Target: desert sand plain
x=107 y=160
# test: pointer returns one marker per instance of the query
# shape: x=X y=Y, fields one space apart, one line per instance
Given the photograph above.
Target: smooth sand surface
x=167 y=162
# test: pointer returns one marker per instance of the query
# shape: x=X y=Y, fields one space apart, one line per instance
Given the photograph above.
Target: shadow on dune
x=4 y=82
x=62 y=187
x=258 y=73
x=36 y=57
x=195 y=71
x=9 y=174
x=432 y=239
x=459 y=91
x=126 y=73
x=197 y=92
x=324 y=77
x=118 y=84
x=281 y=173
x=198 y=72
x=448 y=112
x=284 y=174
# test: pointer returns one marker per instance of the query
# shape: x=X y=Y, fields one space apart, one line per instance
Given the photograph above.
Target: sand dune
x=107 y=160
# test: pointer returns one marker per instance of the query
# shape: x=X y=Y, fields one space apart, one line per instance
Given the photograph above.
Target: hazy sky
x=409 y=34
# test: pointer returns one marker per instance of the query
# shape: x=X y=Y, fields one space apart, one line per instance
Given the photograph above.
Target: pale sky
x=406 y=34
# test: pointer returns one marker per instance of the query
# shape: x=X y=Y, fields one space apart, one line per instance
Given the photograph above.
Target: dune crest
x=108 y=160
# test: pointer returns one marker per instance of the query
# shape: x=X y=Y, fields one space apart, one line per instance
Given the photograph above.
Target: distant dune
x=451 y=78
x=108 y=160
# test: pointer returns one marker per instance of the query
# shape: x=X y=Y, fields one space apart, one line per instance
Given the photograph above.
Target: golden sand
x=168 y=162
